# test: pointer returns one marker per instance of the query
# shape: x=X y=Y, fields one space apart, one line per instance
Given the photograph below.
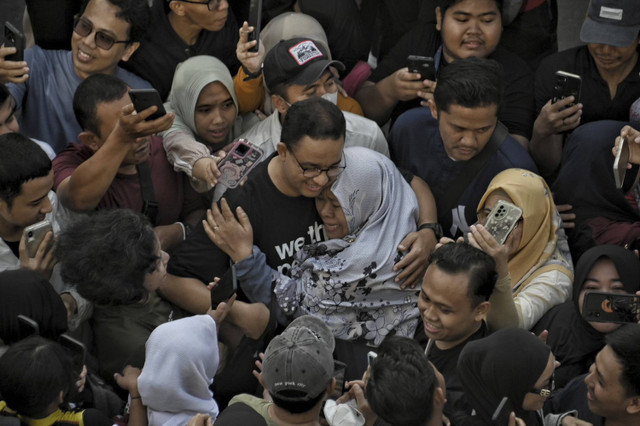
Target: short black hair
x=625 y=343
x=401 y=383
x=135 y=12
x=21 y=160
x=471 y=83
x=457 y=258
x=316 y=118
x=446 y=4
x=95 y=89
x=106 y=256
x=33 y=371
x=300 y=406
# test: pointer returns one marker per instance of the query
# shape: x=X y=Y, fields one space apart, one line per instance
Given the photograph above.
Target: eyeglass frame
x=80 y=18
x=319 y=171
x=546 y=391
x=217 y=3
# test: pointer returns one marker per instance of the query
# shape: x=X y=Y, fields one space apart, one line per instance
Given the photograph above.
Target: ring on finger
x=215 y=228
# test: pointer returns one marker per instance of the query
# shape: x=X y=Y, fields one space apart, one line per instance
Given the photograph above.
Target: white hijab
x=181 y=360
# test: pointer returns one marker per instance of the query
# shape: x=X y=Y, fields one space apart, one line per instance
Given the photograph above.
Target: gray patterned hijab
x=348 y=282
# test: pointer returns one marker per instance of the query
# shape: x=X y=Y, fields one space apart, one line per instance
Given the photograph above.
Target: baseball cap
x=298 y=364
x=612 y=22
x=291 y=25
x=299 y=61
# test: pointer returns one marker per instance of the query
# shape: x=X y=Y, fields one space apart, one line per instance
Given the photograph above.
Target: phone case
x=242 y=158
x=227 y=285
x=339 y=373
x=144 y=98
x=610 y=307
x=620 y=163
x=14 y=38
x=75 y=349
x=566 y=84
x=423 y=65
x=35 y=234
x=255 y=20
x=502 y=220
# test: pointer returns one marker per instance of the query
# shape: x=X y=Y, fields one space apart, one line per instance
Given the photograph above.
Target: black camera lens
x=30 y=234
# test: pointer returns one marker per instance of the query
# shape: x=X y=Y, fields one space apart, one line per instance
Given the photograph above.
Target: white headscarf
x=181 y=360
x=190 y=78
x=349 y=282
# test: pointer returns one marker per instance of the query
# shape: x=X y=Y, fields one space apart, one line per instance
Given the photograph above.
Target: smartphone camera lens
x=30 y=234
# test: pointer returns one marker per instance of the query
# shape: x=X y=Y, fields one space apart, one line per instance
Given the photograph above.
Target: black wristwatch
x=435 y=227
x=251 y=75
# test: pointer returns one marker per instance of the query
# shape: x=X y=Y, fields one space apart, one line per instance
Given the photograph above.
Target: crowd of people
x=307 y=230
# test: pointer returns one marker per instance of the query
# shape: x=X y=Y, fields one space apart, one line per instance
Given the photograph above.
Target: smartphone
x=242 y=158
x=339 y=373
x=255 y=21
x=28 y=327
x=502 y=219
x=14 y=38
x=424 y=65
x=371 y=355
x=566 y=84
x=76 y=351
x=144 y=98
x=620 y=163
x=501 y=415
x=227 y=285
x=610 y=307
x=35 y=234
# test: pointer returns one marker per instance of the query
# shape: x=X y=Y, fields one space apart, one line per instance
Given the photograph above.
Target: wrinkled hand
x=221 y=312
x=200 y=420
x=231 y=235
x=405 y=85
x=480 y=238
x=356 y=391
x=206 y=168
x=553 y=119
x=633 y=142
x=132 y=125
x=12 y=71
x=567 y=215
x=419 y=244
x=128 y=380
x=427 y=93
x=251 y=60
x=45 y=259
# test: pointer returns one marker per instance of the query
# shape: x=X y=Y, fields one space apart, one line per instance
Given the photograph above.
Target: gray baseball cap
x=298 y=364
x=612 y=22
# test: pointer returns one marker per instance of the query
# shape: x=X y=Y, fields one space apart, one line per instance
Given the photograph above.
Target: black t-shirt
x=281 y=226
x=517 y=110
x=446 y=361
x=594 y=94
x=162 y=49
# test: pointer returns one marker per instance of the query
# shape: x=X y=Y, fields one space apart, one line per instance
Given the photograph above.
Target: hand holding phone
x=423 y=65
x=566 y=84
x=620 y=162
x=339 y=373
x=610 y=307
x=227 y=286
x=14 y=38
x=255 y=21
x=145 y=98
x=242 y=158
x=502 y=220
x=35 y=235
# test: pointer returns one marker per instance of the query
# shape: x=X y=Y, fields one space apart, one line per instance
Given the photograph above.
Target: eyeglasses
x=212 y=5
x=83 y=27
x=311 y=172
x=546 y=392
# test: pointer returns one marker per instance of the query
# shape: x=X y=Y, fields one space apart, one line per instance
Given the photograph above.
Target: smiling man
x=105 y=32
x=457 y=145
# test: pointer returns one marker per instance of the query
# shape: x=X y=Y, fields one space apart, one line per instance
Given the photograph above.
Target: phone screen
x=227 y=285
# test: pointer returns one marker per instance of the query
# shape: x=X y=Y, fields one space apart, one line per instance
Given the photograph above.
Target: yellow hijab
x=538 y=251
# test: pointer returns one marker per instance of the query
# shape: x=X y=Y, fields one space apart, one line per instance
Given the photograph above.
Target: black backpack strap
x=450 y=199
x=150 y=205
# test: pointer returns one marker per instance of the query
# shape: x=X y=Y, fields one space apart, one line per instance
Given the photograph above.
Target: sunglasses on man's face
x=83 y=27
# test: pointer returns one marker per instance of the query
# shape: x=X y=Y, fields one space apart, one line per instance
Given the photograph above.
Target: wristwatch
x=251 y=75
x=435 y=227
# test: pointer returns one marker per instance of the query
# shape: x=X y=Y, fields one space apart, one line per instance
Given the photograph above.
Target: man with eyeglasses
x=186 y=28
x=104 y=33
x=278 y=199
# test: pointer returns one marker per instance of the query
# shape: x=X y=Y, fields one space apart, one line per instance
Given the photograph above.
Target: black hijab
x=27 y=292
x=573 y=341
x=586 y=181
x=507 y=363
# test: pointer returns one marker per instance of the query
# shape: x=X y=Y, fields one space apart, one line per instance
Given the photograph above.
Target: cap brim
x=314 y=71
x=613 y=35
